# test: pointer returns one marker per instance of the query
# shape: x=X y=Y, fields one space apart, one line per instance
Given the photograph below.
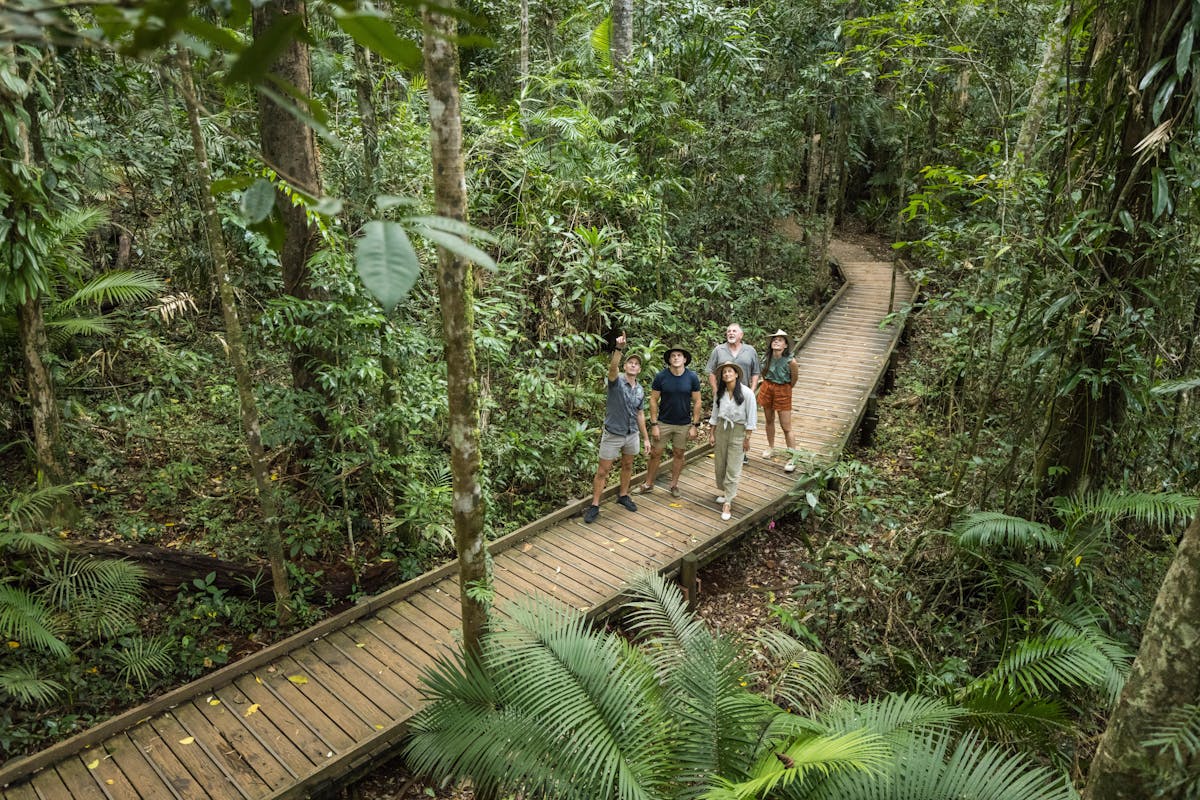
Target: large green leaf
x=258 y=200
x=374 y=32
x=387 y=262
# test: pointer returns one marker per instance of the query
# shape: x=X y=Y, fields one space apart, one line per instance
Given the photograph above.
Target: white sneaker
x=721 y=499
x=768 y=453
x=725 y=513
x=790 y=466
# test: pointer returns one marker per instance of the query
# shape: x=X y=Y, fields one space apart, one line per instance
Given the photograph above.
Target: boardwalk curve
x=307 y=713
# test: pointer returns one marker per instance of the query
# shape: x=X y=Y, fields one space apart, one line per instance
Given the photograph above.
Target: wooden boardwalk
x=310 y=712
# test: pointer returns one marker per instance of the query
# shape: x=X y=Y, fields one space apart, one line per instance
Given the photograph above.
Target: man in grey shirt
x=734 y=350
x=624 y=420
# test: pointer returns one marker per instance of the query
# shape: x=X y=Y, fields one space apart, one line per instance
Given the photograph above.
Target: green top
x=779 y=371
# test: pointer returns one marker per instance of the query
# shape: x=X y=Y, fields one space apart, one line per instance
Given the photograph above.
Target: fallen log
x=168 y=569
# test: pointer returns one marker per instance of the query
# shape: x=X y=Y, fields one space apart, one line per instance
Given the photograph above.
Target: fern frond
x=29 y=622
x=1009 y=715
x=1076 y=621
x=68 y=233
x=27 y=687
x=140 y=659
x=117 y=287
x=23 y=542
x=986 y=529
x=894 y=717
x=62 y=330
x=1179 y=733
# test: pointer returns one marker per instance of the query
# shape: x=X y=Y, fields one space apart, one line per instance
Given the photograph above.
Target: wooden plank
x=558 y=547
x=144 y=778
x=317 y=702
x=80 y=780
x=209 y=738
x=350 y=667
x=20 y=791
x=192 y=762
x=226 y=735
x=308 y=665
x=108 y=771
x=208 y=758
x=305 y=735
x=47 y=785
x=262 y=724
x=571 y=569
x=401 y=685
x=389 y=646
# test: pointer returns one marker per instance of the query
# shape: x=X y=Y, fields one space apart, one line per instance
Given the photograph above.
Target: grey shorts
x=612 y=445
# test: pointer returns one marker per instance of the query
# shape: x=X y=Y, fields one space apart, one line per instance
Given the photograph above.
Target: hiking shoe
x=745 y=458
x=721 y=498
x=768 y=452
x=591 y=514
x=627 y=501
x=790 y=466
x=645 y=488
x=674 y=491
x=726 y=512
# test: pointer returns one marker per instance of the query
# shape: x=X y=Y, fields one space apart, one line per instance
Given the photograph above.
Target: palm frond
x=601 y=41
x=69 y=230
x=26 y=686
x=1156 y=509
x=25 y=542
x=26 y=620
x=854 y=751
x=1039 y=666
x=658 y=615
x=1084 y=622
x=553 y=685
x=1012 y=716
x=1179 y=733
x=61 y=330
x=797 y=677
x=985 y=529
x=895 y=717
x=140 y=660
x=935 y=766
x=116 y=287
x=30 y=510
x=102 y=596
x=1175 y=386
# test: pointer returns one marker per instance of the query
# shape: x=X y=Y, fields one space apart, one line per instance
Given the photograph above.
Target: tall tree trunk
x=43 y=406
x=1128 y=39
x=290 y=148
x=523 y=55
x=19 y=141
x=455 y=293
x=1165 y=676
x=235 y=347
x=1054 y=43
x=364 y=84
x=621 y=39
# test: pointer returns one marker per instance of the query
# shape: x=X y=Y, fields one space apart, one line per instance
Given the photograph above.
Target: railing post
x=866 y=431
x=688 y=567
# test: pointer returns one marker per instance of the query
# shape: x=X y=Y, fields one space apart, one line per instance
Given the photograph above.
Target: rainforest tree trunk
x=43 y=405
x=1165 y=676
x=1128 y=39
x=289 y=147
x=236 y=350
x=621 y=41
x=455 y=293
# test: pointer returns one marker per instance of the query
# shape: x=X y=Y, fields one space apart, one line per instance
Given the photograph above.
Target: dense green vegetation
x=1032 y=164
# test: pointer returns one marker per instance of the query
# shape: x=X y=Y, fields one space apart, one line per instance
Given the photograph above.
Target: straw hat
x=787 y=339
x=719 y=372
x=687 y=357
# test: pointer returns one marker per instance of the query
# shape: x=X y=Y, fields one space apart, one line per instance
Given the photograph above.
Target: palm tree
x=552 y=708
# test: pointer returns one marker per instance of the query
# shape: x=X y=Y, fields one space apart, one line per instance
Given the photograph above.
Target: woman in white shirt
x=733 y=419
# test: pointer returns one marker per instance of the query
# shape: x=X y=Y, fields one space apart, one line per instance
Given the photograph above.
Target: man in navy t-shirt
x=674 y=415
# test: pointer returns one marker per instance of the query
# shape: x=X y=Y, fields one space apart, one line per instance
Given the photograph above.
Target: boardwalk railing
x=314 y=710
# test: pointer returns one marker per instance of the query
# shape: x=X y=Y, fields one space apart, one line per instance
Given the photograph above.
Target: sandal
x=645 y=488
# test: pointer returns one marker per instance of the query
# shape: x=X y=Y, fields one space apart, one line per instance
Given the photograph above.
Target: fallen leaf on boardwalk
x=184 y=740
x=212 y=701
x=299 y=680
x=623 y=540
x=253 y=708
x=94 y=764
x=612 y=549
x=361 y=644
x=658 y=534
x=557 y=570
x=676 y=505
x=110 y=781
x=257 y=679
x=378 y=727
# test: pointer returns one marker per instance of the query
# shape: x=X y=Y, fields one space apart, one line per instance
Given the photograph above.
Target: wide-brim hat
x=721 y=368
x=781 y=332
x=687 y=357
